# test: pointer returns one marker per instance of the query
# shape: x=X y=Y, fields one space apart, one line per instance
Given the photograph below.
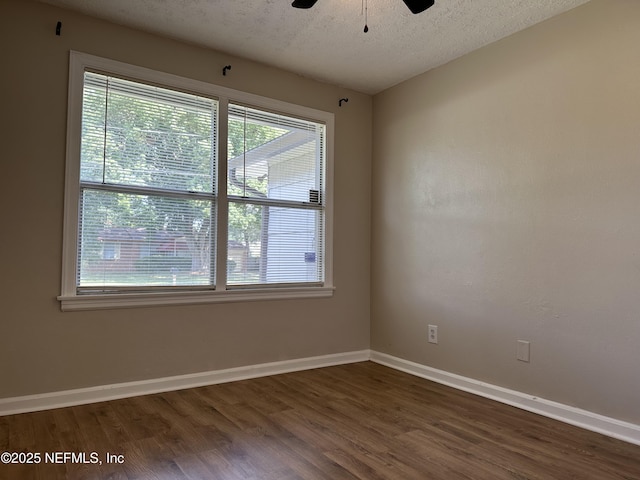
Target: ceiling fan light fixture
x=303 y=3
x=417 y=6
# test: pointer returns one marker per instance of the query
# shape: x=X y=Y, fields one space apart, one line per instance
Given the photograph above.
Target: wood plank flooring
x=358 y=421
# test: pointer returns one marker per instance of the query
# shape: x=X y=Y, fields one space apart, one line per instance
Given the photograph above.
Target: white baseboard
x=628 y=432
x=68 y=398
x=611 y=427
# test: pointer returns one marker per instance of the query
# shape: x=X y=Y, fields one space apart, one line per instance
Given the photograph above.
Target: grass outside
x=132 y=279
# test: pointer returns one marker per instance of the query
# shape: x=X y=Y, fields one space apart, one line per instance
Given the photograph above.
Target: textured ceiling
x=327 y=42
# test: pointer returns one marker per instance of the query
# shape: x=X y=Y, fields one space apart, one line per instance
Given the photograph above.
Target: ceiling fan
x=416 y=6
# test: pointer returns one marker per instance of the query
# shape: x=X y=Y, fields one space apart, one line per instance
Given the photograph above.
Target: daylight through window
x=143 y=178
x=147 y=175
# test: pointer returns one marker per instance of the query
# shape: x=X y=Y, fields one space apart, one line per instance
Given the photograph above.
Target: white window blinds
x=147 y=183
x=275 y=184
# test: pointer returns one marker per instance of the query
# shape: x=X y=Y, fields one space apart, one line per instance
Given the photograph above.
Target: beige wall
x=506 y=205
x=43 y=349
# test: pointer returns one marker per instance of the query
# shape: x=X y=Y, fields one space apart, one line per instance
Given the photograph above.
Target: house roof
x=278 y=146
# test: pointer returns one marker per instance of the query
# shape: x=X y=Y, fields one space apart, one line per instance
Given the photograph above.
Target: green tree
x=165 y=140
x=155 y=139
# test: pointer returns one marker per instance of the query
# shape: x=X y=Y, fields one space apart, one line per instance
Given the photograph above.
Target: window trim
x=71 y=300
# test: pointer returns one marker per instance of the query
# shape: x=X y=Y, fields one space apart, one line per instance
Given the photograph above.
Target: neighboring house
x=288 y=245
x=125 y=249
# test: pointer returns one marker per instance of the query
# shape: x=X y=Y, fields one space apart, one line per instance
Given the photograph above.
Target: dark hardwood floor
x=358 y=421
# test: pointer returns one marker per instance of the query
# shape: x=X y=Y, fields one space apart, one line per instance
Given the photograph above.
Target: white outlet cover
x=433 y=334
x=524 y=351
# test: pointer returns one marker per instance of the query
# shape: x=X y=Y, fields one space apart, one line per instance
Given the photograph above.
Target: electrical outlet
x=433 y=334
x=524 y=351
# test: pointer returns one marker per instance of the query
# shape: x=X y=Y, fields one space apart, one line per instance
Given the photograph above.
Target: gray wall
x=43 y=349
x=506 y=194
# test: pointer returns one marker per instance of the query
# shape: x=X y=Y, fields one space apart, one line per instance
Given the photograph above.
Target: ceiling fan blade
x=303 y=3
x=417 y=6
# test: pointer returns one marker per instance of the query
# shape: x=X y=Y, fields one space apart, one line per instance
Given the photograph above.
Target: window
x=179 y=191
x=147 y=174
x=275 y=211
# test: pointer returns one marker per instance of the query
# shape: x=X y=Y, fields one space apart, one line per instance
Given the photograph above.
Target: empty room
x=365 y=239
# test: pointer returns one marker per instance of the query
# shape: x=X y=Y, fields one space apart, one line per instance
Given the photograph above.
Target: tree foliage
x=167 y=145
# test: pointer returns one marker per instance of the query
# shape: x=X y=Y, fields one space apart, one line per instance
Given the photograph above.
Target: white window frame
x=71 y=300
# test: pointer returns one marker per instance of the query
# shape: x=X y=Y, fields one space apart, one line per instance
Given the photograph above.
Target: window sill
x=132 y=300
